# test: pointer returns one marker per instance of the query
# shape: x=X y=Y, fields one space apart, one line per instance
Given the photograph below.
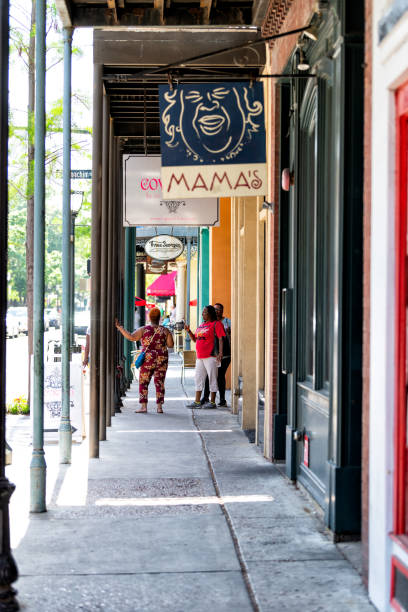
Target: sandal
x=160 y=409
x=141 y=411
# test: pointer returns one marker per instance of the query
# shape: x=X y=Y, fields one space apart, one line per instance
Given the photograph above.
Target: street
x=17 y=363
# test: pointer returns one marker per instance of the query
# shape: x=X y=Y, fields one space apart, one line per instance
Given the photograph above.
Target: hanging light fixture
x=303 y=64
x=311 y=32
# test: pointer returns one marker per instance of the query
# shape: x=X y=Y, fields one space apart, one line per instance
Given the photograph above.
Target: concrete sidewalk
x=179 y=513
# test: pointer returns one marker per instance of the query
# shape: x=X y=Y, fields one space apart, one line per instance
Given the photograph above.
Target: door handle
x=286 y=330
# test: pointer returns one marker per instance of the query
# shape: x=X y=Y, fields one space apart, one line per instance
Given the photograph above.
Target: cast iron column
x=187 y=339
x=8 y=568
x=109 y=314
x=141 y=292
x=65 y=431
x=38 y=466
x=129 y=296
x=198 y=276
x=104 y=246
x=118 y=284
x=95 y=262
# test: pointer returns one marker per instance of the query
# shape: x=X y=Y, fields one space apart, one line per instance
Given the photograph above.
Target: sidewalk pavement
x=180 y=512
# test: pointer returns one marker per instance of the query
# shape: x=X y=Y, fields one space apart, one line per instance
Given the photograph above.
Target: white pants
x=206 y=367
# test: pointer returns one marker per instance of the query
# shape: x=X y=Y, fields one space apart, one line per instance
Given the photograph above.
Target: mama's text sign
x=143 y=202
x=212 y=139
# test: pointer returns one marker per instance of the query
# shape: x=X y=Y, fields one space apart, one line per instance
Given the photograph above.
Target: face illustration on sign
x=213 y=123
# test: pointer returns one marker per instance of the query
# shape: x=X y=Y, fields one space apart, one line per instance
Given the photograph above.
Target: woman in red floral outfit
x=155 y=340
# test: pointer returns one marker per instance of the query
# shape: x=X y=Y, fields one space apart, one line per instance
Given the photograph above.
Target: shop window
x=399 y=586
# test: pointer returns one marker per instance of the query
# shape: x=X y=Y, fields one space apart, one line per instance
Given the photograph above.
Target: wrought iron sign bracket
x=269 y=206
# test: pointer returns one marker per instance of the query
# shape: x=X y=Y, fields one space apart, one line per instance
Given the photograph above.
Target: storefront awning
x=163 y=285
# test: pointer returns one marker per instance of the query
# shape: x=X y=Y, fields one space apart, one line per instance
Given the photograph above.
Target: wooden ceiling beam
x=113 y=8
x=159 y=6
x=206 y=5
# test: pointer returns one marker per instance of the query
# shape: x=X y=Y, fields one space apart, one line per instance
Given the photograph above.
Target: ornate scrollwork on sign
x=173 y=205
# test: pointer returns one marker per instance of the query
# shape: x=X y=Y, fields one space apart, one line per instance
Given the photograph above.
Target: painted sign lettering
x=212 y=140
x=143 y=202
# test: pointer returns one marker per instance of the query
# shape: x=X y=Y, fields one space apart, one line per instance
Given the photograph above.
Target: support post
x=103 y=283
x=187 y=339
x=8 y=568
x=141 y=292
x=129 y=295
x=198 y=275
x=95 y=262
x=126 y=298
x=65 y=430
x=109 y=312
x=204 y=268
x=38 y=466
x=119 y=244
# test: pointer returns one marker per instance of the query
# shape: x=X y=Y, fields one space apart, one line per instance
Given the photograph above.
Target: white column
x=181 y=291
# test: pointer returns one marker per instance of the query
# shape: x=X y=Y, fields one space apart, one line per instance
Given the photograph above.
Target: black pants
x=225 y=361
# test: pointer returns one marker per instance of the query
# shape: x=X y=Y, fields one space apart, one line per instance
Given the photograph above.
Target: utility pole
x=65 y=430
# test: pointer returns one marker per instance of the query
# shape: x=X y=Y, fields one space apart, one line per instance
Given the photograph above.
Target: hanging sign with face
x=212 y=140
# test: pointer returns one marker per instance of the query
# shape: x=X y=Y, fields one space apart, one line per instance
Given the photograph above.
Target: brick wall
x=366 y=281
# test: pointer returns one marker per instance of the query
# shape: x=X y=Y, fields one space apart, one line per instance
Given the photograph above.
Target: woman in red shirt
x=208 y=359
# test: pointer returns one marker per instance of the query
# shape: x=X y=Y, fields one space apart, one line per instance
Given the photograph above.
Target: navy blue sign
x=209 y=123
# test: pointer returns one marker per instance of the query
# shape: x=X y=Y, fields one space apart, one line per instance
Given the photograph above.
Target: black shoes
x=222 y=403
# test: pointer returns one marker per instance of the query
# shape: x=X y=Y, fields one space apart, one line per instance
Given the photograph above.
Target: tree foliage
x=21 y=180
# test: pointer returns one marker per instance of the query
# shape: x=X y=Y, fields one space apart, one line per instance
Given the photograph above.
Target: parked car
x=82 y=321
x=54 y=318
x=12 y=330
x=20 y=313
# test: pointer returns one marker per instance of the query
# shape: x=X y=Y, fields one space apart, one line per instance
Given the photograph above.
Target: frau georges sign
x=164 y=247
x=143 y=202
x=212 y=139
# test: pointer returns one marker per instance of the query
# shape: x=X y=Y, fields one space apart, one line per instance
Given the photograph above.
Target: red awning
x=163 y=285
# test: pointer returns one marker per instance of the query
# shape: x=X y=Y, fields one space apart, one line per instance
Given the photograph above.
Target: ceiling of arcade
x=134 y=49
x=100 y=13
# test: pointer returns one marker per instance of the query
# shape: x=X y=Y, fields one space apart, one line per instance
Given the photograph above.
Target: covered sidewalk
x=180 y=512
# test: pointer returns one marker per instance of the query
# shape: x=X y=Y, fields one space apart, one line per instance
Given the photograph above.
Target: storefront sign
x=156 y=267
x=212 y=139
x=164 y=247
x=143 y=202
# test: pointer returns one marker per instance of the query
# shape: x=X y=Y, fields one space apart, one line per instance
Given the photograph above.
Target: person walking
x=155 y=340
x=226 y=358
x=208 y=358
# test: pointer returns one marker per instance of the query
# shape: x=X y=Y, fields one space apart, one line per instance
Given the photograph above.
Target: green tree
x=21 y=159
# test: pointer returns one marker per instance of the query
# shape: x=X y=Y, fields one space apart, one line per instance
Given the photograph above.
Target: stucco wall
x=390 y=69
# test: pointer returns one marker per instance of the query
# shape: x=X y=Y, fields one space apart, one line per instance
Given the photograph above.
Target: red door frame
x=401 y=309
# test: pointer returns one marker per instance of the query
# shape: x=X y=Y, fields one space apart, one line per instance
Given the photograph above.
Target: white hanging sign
x=164 y=247
x=143 y=202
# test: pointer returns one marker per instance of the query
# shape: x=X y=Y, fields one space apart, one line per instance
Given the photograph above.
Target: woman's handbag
x=140 y=360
